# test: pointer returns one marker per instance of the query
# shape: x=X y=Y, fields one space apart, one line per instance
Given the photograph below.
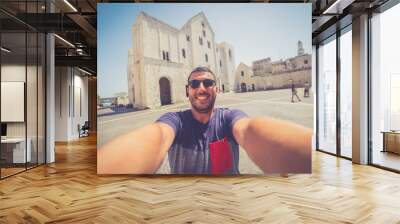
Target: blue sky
x=256 y=31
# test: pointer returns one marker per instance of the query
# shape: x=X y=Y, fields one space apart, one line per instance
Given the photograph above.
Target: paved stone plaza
x=274 y=103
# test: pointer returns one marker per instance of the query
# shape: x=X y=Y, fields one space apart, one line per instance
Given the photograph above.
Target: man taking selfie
x=205 y=139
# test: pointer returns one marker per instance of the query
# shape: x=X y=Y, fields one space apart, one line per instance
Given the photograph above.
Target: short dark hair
x=202 y=69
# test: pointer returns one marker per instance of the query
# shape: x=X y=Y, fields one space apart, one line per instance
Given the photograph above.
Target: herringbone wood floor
x=70 y=191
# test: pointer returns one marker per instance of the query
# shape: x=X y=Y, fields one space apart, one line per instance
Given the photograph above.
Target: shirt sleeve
x=172 y=119
x=233 y=115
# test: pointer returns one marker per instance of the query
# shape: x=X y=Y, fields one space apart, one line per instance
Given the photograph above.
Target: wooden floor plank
x=70 y=191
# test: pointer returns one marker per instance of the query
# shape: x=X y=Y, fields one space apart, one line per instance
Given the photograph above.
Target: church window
x=204 y=33
x=230 y=54
x=220 y=63
x=242 y=73
x=163 y=55
x=209 y=44
x=206 y=58
x=202 y=24
x=167 y=56
x=183 y=53
x=200 y=41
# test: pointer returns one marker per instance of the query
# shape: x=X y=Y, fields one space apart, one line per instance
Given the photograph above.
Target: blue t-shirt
x=190 y=151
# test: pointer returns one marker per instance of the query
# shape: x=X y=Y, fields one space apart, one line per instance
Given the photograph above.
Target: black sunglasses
x=206 y=83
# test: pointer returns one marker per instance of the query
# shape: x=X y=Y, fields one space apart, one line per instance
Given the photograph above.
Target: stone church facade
x=265 y=74
x=162 y=57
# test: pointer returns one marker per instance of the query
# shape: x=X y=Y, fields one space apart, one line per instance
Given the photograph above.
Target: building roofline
x=200 y=14
x=147 y=16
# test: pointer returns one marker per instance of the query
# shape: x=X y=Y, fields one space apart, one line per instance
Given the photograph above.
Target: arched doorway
x=165 y=91
x=243 y=87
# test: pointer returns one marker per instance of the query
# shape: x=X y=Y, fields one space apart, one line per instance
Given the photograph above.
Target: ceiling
x=73 y=21
x=76 y=22
x=332 y=15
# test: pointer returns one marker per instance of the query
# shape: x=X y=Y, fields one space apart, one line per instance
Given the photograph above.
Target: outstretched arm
x=276 y=146
x=138 y=152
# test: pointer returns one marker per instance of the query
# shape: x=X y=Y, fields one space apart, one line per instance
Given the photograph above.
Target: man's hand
x=276 y=146
x=138 y=152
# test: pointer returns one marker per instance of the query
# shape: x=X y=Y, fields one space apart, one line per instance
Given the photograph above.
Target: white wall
x=61 y=103
x=71 y=87
x=79 y=117
x=16 y=73
x=33 y=125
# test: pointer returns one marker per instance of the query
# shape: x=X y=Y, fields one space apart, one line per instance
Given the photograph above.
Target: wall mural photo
x=215 y=89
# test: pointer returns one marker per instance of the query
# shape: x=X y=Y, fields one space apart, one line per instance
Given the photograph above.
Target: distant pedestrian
x=306 y=89
x=294 y=92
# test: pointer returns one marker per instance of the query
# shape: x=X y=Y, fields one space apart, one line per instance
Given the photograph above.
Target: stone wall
x=176 y=76
x=226 y=64
x=147 y=62
x=244 y=75
x=282 y=80
x=277 y=76
x=262 y=67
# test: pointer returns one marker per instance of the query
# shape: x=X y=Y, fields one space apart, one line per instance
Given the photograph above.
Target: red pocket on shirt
x=221 y=156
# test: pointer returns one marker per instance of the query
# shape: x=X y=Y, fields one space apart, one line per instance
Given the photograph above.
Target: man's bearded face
x=202 y=98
